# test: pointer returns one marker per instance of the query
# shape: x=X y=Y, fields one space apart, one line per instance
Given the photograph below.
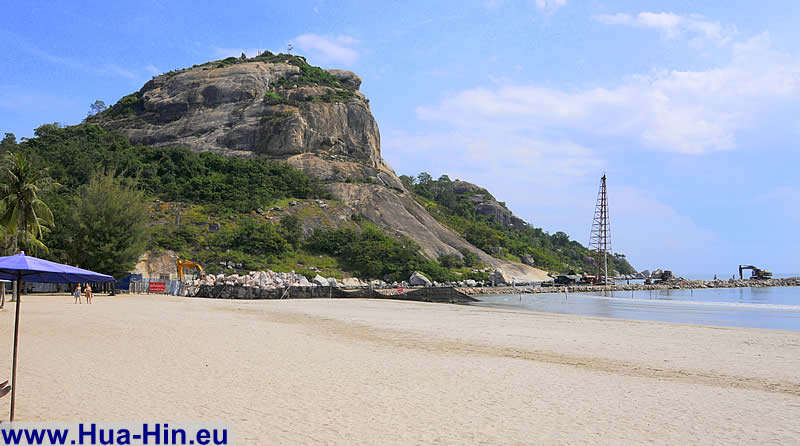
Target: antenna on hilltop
x=600 y=238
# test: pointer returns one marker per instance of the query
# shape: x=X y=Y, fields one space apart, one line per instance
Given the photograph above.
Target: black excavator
x=760 y=274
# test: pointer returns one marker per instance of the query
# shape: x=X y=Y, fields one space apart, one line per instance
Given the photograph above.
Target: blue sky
x=690 y=107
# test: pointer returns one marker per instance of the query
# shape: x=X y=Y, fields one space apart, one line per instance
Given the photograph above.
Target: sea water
x=768 y=307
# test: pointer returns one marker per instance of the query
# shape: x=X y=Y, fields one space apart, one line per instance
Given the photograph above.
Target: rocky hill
x=280 y=107
x=486 y=205
x=472 y=212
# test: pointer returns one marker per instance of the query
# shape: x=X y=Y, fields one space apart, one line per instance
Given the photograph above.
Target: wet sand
x=387 y=372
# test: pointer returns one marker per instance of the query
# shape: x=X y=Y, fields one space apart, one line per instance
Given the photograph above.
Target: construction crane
x=760 y=274
x=181 y=264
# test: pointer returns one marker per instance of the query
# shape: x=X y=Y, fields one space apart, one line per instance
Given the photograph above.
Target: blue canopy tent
x=21 y=267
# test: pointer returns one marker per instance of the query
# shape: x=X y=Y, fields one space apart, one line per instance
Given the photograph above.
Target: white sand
x=381 y=372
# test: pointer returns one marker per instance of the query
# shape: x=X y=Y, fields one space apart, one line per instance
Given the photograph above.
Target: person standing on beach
x=77 y=294
x=88 y=291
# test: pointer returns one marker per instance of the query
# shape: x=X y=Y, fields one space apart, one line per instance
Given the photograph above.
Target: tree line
x=83 y=195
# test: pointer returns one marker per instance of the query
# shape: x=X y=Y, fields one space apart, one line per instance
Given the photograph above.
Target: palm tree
x=24 y=215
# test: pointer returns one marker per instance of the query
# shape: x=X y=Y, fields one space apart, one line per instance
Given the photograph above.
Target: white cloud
x=538 y=147
x=329 y=49
x=780 y=200
x=347 y=40
x=551 y=184
x=550 y=4
x=672 y=25
x=678 y=111
x=119 y=71
x=664 y=21
x=18 y=100
x=545 y=5
x=639 y=221
x=107 y=69
x=152 y=69
x=615 y=19
x=495 y=152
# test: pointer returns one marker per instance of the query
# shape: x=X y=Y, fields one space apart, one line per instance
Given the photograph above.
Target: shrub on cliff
x=170 y=174
x=125 y=106
x=373 y=254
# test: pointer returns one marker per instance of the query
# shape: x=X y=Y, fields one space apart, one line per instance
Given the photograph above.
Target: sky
x=689 y=107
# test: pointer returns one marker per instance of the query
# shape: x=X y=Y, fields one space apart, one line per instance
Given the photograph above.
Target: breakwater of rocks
x=676 y=284
x=420 y=294
x=271 y=285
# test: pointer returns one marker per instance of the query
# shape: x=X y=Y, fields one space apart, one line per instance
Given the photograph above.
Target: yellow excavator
x=757 y=273
x=188 y=264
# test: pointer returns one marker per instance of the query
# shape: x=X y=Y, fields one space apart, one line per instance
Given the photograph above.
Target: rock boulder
x=320 y=281
x=499 y=277
x=418 y=279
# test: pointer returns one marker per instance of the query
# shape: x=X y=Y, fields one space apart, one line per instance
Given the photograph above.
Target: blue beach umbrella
x=31 y=269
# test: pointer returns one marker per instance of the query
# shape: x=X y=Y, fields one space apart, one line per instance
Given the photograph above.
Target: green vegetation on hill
x=126 y=106
x=206 y=190
x=248 y=240
x=252 y=241
x=223 y=187
x=371 y=253
x=552 y=252
x=170 y=174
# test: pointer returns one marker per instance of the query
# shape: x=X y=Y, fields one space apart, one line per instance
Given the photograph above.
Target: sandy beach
x=387 y=372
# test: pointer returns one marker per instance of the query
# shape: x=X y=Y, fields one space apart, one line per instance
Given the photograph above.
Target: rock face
x=157 y=265
x=486 y=205
x=259 y=108
x=499 y=277
x=226 y=110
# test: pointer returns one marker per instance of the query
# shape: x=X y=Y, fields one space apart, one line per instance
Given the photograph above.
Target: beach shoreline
x=354 y=371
